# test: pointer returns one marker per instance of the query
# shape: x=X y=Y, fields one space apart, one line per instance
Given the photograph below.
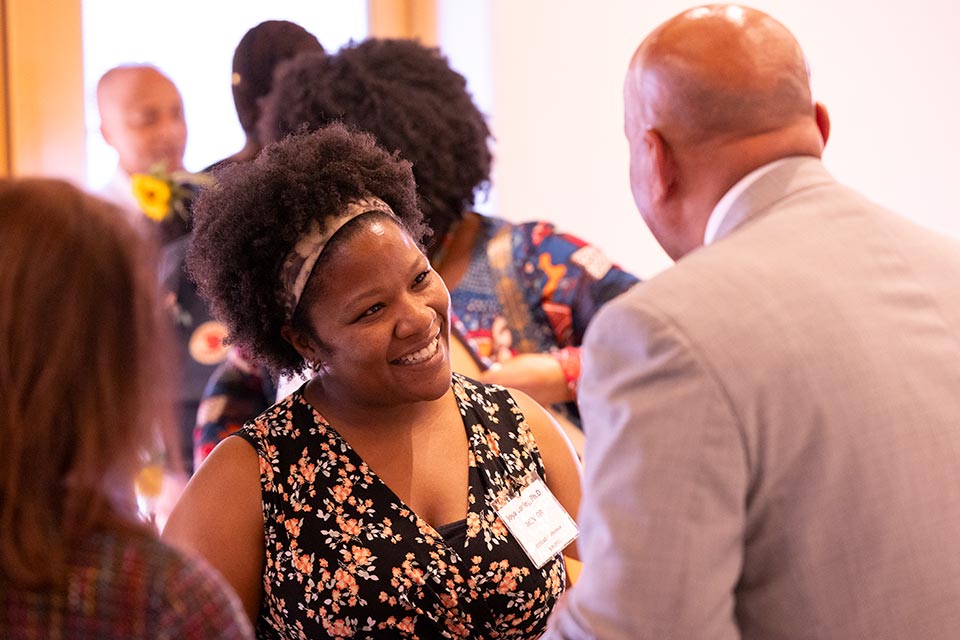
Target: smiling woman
x=382 y=324
x=369 y=501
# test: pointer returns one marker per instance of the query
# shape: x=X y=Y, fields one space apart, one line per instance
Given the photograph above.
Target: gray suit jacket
x=773 y=431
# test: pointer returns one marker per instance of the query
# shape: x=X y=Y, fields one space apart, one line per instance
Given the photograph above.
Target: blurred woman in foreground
x=82 y=365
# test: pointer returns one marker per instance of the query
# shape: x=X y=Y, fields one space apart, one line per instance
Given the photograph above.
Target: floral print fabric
x=345 y=558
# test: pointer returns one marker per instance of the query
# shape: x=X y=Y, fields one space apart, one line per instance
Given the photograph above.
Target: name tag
x=539 y=522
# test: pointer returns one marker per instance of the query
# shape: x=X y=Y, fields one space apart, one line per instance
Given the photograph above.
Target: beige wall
x=4 y=115
x=886 y=71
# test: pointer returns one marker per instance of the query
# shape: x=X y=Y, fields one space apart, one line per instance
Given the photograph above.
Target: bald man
x=772 y=424
x=141 y=117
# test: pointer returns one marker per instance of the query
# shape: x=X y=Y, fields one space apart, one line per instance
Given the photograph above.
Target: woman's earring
x=315 y=366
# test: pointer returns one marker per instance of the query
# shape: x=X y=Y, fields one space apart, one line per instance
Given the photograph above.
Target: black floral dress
x=346 y=558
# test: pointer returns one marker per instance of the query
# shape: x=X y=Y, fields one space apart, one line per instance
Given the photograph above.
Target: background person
x=249 y=387
x=364 y=504
x=259 y=51
x=773 y=447
x=141 y=114
x=141 y=117
x=81 y=361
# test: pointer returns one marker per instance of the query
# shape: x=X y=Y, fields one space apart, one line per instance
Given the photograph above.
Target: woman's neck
x=374 y=420
x=419 y=450
x=452 y=259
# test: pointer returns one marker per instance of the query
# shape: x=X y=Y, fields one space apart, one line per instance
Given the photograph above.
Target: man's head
x=710 y=95
x=141 y=116
x=410 y=99
x=260 y=50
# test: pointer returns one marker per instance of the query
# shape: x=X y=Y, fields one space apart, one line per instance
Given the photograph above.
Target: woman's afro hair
x=247 y=224
x=407 y=96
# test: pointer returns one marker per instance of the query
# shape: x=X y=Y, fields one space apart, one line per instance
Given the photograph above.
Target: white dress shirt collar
x=723 y=206
x=119 y=191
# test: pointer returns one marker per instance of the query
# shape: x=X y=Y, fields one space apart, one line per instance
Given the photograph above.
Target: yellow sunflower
x=152 y=194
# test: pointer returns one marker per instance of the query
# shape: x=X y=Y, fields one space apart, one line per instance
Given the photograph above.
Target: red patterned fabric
x=126 y=587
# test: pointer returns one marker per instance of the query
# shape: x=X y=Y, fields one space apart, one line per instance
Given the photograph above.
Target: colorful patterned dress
x=199 y=339
x=531 y=289
x=346 y=558
x=238 y=390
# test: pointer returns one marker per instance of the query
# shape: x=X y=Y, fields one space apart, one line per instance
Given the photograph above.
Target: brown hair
x=82 y=371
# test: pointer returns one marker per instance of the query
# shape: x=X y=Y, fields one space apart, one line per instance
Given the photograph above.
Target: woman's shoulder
x=470 y=391
x=140 y=575
x=194 y=598
x=286 y=429
x=489 y=407
x=139 y=555
x=281 y=419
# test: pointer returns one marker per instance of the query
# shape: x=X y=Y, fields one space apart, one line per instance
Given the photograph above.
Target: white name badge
x=539 y=522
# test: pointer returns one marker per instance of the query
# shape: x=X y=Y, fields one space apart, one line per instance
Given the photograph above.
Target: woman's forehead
x=375 y=243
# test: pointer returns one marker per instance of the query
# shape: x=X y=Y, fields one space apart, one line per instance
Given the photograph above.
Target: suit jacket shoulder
x=807 y=360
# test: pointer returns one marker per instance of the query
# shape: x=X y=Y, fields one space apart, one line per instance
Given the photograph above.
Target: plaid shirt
x=125 y=586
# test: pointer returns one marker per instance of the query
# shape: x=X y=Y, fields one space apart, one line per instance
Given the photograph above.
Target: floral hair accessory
x=299 y=263
x=161 y=195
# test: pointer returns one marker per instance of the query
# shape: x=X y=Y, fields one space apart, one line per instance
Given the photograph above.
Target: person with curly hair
x=84 y=364
x=522 y=294
x=257 y=54
x=250 y=387
x=380 y=499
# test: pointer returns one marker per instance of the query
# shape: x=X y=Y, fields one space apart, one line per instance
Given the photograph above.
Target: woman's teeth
x=424 y=354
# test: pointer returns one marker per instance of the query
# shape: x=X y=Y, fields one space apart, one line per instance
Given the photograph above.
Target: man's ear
x=661 y=161
x=105 y=132
x=823 y=121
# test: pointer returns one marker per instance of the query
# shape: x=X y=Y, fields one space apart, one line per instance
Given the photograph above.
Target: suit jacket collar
x=795 y=174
